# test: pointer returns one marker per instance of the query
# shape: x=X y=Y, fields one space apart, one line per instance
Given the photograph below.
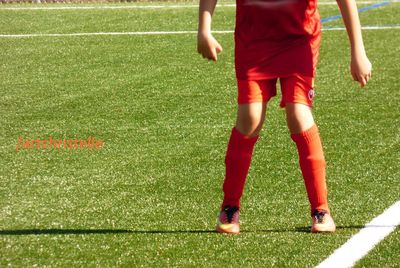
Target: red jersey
x=276 y=38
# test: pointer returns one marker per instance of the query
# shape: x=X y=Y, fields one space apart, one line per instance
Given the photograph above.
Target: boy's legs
x=305 y=134
x=252 y=103
x=253 y=97
x=244 y=135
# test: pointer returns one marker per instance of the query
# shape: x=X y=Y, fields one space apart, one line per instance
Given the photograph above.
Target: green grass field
x=149 y=197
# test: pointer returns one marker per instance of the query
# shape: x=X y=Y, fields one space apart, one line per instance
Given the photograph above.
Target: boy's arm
x=207 y=46
x=360 y=65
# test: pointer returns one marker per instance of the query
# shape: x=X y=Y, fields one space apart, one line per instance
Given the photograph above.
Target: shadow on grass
x=343 y=227
x=95 y=231
x=127 y=231
x=303 y=229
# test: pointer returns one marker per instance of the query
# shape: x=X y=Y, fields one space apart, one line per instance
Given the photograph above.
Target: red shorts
x=295 y=89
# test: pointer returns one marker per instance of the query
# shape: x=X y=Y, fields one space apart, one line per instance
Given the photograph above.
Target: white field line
x=65 y=7
x=166 y=32
x=361 y=243
x=371 y=27
x=103 y=33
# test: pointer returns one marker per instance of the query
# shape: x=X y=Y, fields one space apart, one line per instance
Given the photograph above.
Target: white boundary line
x=106 y=7
x=166 y=32
x=361 y=243
x=146 y=6
x=101 y=33
x=372 y=27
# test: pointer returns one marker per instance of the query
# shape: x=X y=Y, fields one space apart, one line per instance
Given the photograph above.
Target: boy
x=278 y=39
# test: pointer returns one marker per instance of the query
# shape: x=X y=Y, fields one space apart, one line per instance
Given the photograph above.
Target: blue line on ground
x=336 y=17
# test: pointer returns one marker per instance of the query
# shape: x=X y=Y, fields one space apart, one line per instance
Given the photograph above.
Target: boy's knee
x=250 y=118
x=299 y=117
x=249 y=127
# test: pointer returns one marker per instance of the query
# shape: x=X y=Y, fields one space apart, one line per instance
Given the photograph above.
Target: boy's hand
x=361 y=68
x=208 y=46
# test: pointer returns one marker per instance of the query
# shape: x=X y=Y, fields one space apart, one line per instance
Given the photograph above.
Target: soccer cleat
x=228 y=220
x=322 y=222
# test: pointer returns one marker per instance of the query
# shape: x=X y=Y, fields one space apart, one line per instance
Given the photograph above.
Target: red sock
x=312 y=164
x=237 y=164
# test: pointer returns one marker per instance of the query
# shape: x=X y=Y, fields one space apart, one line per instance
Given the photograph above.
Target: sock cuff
x=308 y=136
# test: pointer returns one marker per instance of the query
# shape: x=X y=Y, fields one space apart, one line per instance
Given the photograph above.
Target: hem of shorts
x=307 y=104
x=251 y=101
x=268 y=77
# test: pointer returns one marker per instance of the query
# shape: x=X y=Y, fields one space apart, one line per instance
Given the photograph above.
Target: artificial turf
x=150 y=195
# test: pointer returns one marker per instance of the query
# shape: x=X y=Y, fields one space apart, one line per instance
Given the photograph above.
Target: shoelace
x=319 y=216
x=230 y=212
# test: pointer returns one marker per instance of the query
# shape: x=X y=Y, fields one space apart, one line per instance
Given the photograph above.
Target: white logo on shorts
x=311 y=94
